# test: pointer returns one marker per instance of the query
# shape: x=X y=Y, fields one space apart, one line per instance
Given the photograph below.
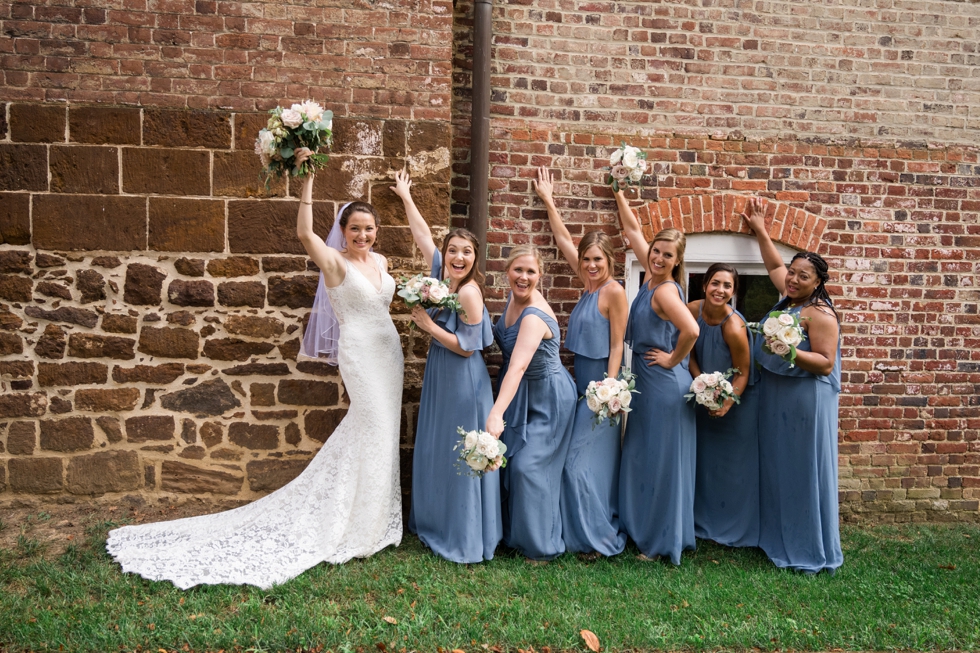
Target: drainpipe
x=480 y=124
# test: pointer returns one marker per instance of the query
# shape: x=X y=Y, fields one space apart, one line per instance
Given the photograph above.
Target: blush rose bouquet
x=712 y=389
x=301 y=125
x=627 y=165
x=610 y=398
x=428 y=292
x=479 y=452
x=782 y=333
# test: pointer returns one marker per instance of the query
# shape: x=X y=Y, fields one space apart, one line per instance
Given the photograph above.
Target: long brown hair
x=601 y=240
x=474 y=274
x=677 y=237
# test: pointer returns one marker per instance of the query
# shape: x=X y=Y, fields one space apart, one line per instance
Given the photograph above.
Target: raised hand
x=403 y=185
x=302 y=156
x=544 y=185
x=755 y=213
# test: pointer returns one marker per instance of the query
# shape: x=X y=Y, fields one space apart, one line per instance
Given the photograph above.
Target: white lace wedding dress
x=346 y=503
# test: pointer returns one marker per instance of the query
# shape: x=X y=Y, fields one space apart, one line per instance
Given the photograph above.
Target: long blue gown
x=798 y=525
x=539 y=423
x=590 y=480
x=457 y=516
x=656 y=477
x=726 y=487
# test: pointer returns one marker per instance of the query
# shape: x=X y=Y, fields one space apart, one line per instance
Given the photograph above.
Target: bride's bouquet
x=301 y=125
x=626 y=166
x=610 y=398
x=428 y=292
x=712 y=389
x=480 y=452
x=782 y=333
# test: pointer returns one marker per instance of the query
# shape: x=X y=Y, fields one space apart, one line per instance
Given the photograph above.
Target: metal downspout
x=480 y=124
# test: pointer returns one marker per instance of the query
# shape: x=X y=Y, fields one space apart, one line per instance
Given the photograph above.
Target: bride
x=347 y=502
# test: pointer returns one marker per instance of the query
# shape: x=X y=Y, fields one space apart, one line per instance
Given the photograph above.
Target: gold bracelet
x=310 y=203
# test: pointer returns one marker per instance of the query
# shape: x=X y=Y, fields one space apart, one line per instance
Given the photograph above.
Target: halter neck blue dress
x=656 y=477
x=455 y=515
x=538 y=430
x=590 y=480
x=726 y=487
x=798 y=509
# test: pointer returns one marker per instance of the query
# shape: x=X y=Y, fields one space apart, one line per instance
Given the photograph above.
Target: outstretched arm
x=633 y=230
x=755 y=216
x=544 y=186
x=420 y=230
x=329 y=260
x=529 y=336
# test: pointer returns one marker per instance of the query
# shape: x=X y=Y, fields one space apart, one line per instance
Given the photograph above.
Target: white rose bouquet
x=627 y=166
x=782 y=333
x=610 y=398
x=301 y=125
x=428 y=292
x=480 y=452
x=712 y=389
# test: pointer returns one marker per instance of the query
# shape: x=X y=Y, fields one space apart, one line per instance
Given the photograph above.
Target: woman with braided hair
x=798 y=509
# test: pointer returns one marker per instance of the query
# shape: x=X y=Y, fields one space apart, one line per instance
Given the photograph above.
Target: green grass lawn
x=909 y=588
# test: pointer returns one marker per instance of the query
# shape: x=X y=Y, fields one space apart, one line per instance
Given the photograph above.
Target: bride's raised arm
x=420 y=229
x=633 y=230
x=329 y=260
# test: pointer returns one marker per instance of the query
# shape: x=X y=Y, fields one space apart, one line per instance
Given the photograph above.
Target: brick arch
x=704 y=213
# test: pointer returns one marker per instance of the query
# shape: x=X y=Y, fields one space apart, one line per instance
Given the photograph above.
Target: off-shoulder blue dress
x=798 y=509
x=726 y=486
x=539 y=424
x=656 y=477
x=457 y=516
x=590 y=481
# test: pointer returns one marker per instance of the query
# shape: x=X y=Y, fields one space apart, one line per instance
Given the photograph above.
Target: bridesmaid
x=536 y=400
x=798 y=521
x=726 y=486
x=456 y=516
x=590 y=480
x=656 y=478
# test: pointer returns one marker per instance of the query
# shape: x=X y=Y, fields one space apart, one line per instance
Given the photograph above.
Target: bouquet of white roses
x=480 y=452
x=610 y=398
x=782 y=333
x=301 y=125
x=626 y=166
x=427 y=292
x=711 y=389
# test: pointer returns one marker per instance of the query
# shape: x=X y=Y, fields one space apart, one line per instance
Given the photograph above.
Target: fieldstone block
x=45 y=260
x=110 y=262
x=17 y=370
x=188 y=431
x=52 y=343
x=361 y=137
x=169 y=342
x=37 y=123
x=396 y=241
x=320 y=424
x=180 y=477
x=23 y=167
x=15 y=217
x=11 y=343
x=242 y=293
x=235 y=176
x=52 y=289
x=187 y=128
x=345 y=179
x=105 y=471
x=57 y=374
x=107 y=401
x=191 y=267
x=233 y=349
x=22 y=438
x=300 y=392
x=81 y=316
x=211 y=434
x=166 y=172
x=69 y=434
x=15 y=261
x=110 y=426
x=182 y=318
x=272 y=474
x=185 y=225
x=87 y=345
x=289 y=349
x=393 y=138
x=316 y=368
x=104 y=125
x=209 y=398
x=254 y=436
x=263 y=369
x=83 y=169
x=92 y=286
x=293 y=436
x=191 y=293
x=36 y=475
x=9 y=321
x=89 y=222
x=233 y=266
x=143 y=284
x=15 y=288
x=427 y=136
x=284 y=264
x=263 y=394
x=155 y=374
x=296 y=291
x=254 y=327
x=116 y=323
x=147 y=428
x=59 y=406
x=269 y=227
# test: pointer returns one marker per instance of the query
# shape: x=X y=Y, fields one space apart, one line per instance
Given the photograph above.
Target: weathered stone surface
x=103 y=401
x=166 y=172
x=233 y=349
x=300 y=392
x=110 y=426
x=15 y=288
x=53 y=289
x=45 y=260
x=36 y=475
x=254 y=327
x=235 y=176
x=143 y=284
x=17 y=370
x=180 y=477
x=284 y=264
x=15 y=217
x=191 y=293
x=92 y=286
x=182 y=318
x=187 y=128
x=146 y=428
x=316 y=368
x=37 y=123
x=233 y=266
x=15 y=261
x=59 y=406
x=11 y=343
x=81 y=169
x=69 y=434
x=104 y=125
x=266 y=415
x=353 y=136
x=242 y=293
x=156 y=374
x=55 y=374
x=188 y=431
x=169 y=342
x=193 y=452
x=116 y=323
x=8 y=320
x=105 y=471
x=320 y=424
x=211 y=434
x=262 y=394
x=22 y=438
x=84 y=317
x=289 y=349
x=209 y=398
x=23 y=167
x=397 y=241
x=270 y=227
x=186 y=225
x=296 y=291
x=393 y=137
x=272 y=474
x=109 y=262
x=264 y=369
x=254 y=436
x=191 y=267
x=226 y=453
x=89 y=222
x=88 y=345
x=293 y=435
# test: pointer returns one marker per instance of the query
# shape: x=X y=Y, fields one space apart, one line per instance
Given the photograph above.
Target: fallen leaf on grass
x=591 y=641
x=458 y=650
x=391 y=620
x=950 y=567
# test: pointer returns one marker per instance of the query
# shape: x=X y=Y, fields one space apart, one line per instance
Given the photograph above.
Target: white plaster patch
x=426 y=163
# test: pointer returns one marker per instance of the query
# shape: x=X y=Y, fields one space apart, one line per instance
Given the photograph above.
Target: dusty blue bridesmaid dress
x=726 y=486
x=539 y=423
x=798 y=510
x=590 y=480
x=457 y=516
x=656 y=477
